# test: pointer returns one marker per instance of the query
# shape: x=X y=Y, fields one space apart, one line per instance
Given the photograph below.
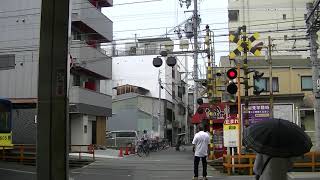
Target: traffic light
x=232 y=88
x=257 y=77
x=232 y=73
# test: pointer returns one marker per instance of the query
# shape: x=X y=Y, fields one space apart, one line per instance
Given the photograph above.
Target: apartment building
x=90 y=66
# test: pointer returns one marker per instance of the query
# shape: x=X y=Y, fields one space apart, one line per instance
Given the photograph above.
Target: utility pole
x=195 y=62
x=270 y=77
x=186 y=99
x=159 y=110
x=52 y=129
x=315 y=71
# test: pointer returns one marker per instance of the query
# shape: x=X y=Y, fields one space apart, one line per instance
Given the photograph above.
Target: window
x=285 y=37
x=306 y=83
x=126 y=134
x=233 y=15
x=7 y=61
x=263 y=83
x=284 y=16
x=85 y=129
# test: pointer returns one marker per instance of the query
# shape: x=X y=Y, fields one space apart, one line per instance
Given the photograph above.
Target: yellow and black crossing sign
x=255 y=50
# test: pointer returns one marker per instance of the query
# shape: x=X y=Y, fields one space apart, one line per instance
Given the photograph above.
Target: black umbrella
x=277 y=138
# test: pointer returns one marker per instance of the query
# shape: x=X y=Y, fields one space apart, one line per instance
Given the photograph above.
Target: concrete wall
x=24 y=127
x=125 y=119
x=87 y=137
x=76 y=124
x=20 y=33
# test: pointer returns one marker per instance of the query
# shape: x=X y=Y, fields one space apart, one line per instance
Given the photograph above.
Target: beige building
x=283 y=20
x=292 y=84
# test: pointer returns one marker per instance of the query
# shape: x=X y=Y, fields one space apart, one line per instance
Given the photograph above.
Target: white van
x=121 y=138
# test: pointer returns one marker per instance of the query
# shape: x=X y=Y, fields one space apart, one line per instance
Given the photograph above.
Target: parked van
x=121 y=138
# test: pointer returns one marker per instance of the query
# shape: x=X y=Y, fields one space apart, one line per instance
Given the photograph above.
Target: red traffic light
x=232 y=73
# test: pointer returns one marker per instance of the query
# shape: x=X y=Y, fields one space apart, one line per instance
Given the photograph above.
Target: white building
x=283 y=20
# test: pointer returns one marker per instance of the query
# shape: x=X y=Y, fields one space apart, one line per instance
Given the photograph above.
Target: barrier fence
x=245 y=162
x=27 y=152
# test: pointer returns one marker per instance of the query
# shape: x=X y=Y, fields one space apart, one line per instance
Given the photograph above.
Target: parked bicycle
x=164 y=144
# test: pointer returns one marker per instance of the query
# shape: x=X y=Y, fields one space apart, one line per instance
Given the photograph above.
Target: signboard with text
x=231 y=129
x=260 y=112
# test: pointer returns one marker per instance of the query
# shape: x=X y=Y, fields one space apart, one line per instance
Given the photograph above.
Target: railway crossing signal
x=242 y=45
x=232 y=88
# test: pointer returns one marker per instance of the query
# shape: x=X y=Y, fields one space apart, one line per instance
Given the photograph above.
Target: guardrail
x=246 y=161
x=28 y=152
x=20 y=152
x=81 y=149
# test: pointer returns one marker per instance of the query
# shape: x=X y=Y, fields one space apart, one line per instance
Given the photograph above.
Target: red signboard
x=217 y=112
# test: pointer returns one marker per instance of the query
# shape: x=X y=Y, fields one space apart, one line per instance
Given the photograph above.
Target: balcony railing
x=90 y=102
x=93 y=59
x=96 y=23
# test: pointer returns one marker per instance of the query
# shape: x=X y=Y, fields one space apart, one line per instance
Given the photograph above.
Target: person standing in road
x=200 y=143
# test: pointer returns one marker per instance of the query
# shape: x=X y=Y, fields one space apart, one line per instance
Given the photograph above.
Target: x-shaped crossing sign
x=255 y=50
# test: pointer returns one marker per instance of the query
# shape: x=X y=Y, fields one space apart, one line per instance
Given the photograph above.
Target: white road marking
x=18 y=171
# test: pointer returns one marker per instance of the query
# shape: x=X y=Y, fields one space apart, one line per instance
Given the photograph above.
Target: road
x=166 y=165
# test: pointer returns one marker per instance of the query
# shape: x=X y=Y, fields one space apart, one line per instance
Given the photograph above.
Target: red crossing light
x=232 y=73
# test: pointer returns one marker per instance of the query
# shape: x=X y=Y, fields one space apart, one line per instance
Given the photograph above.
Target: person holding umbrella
x=276 y=141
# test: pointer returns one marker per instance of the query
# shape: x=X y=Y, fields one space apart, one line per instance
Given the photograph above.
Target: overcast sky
x=129 y=19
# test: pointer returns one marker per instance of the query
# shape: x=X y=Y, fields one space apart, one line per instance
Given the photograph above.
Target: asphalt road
x=165 y=165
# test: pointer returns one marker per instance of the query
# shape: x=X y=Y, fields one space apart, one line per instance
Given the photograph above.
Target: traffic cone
x=120 y=152
x=127 y=151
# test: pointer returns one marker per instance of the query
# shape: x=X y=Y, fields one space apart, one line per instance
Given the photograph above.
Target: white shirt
x=201 y=141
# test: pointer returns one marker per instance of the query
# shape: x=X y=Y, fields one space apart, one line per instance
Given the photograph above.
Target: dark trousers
x=204 y=166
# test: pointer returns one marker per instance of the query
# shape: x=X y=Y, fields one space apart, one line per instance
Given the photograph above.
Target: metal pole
x=52 y=129
x=159 y=112
x=270 y=77
x=239 y=108
x=315 y=75
x=246 y=78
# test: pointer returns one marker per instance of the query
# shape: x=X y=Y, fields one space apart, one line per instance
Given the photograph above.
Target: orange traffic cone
x=127 y=151
x=120 y=152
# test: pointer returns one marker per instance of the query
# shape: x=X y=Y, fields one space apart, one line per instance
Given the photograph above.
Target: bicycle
x=164 y=144
x=143 y=149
